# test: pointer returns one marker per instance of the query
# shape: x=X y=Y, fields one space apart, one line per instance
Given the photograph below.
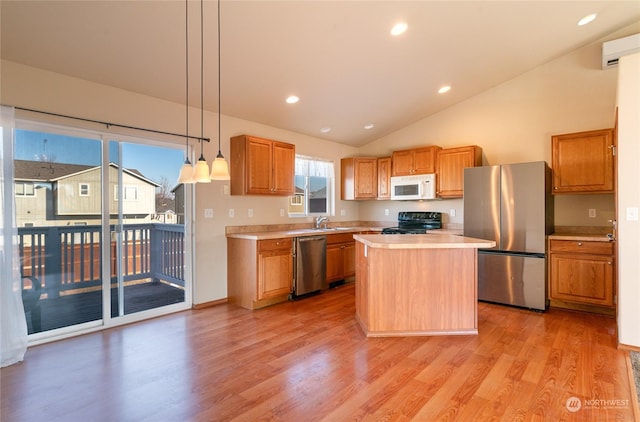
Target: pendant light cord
x=186 y=55
x=219 y=86
x=202 y=77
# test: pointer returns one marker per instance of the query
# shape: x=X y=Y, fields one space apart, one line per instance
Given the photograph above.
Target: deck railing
x=70 y=257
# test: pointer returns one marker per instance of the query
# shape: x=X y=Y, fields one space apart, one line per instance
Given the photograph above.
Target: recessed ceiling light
x=587 y=19
x=368 y=126
x=292 y=99
x=444 y=89
x=325 y=129
x=399 y=28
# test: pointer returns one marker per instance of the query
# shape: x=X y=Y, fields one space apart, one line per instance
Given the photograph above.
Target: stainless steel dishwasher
x=310 y=264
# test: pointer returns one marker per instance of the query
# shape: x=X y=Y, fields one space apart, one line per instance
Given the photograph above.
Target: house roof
x=40 y=171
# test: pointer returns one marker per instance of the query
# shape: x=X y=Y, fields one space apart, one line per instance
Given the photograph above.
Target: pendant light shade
x=219 y=167
x=186 y=173
x=201 y=173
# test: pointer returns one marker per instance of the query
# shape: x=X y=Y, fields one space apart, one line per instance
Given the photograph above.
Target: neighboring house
x=55 y=194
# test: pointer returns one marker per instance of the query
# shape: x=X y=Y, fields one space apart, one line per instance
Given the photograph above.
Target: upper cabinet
x=384 y=178
x=414 y=161
x=451 y=163
x=261 y=166
x=359 y=177
x=583 y=162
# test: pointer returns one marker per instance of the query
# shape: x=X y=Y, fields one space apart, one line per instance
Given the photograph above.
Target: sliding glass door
x=101 y=227
x=147 y=230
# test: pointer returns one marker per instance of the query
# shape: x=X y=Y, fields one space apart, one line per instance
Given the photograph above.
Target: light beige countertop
x=581 y=237
x=422 y=241
x=262 y=235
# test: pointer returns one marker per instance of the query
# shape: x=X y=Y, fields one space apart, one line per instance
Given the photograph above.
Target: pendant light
x=202 y=168
x=186 y=172
x=219 y=166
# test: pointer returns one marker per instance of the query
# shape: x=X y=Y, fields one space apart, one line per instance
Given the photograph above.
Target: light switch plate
x=592 y=213
x=208 y=213
x=632 y=214
x=250 y=212
x=232 y=213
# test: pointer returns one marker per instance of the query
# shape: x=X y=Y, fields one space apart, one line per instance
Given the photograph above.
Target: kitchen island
x=417 y=285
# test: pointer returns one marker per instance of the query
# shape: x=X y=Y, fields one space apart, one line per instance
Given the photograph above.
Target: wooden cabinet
x=259 y=273
x=359 y=178
x=414 y=161
x=384 y=178
x=581 y=273
x=451 y=163
x=261 y=166
x=340 y=256
x=583 y=162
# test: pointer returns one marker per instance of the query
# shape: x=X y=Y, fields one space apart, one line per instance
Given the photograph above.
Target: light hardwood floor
x=309 y=360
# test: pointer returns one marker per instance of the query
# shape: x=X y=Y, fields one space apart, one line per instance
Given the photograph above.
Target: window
x=130 y=193
x=314 y=181
x=25 y=189
x=84 y=189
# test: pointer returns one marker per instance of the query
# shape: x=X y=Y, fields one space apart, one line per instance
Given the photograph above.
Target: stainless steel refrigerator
x=512 y=205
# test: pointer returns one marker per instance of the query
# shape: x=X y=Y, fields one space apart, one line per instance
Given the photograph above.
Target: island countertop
x=422 y=241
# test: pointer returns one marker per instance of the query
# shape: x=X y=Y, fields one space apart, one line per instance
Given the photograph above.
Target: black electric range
x=415 y=222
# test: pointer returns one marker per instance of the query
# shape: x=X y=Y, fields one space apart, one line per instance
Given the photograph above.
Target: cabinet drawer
x=575 y=246
x=274 y=244
x=339 y=238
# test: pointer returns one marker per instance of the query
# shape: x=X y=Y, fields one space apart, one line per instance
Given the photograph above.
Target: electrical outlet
x=592 y=213
x=250 y=212
x=232 y=213
x=632 y=214
x=386 y=211
x=343 y=213
x=225 y=189
x=452 y=212
x=208 y=213
x=281 y=212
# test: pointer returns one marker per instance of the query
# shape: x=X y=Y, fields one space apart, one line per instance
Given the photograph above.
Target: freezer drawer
x=518 y=280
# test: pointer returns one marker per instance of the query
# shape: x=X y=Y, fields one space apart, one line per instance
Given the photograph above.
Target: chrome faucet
x=320 y=220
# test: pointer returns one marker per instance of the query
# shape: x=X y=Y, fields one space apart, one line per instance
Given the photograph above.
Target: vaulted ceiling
x=338 y=57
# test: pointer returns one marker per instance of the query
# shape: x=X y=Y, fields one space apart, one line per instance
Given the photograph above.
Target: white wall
x=514 y=122
x=629 y=197
x=32 y=88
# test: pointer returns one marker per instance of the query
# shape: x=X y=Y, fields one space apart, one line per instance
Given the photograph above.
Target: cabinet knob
x=579 y=243
x=609 y=262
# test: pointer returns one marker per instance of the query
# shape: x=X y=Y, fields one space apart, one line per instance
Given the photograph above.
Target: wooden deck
x=81 y=307
x=309 y=361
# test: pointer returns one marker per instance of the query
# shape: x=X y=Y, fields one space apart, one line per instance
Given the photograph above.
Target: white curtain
x=314 y=167
x=13 y=324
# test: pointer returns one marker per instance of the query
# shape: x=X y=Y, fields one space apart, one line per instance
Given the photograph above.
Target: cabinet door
x=582 y=278
x=348 y=259
x=334 y=263
x=366 y=178
x=583 y=162
x=450 y=173
x=424 y=160
x=275 y=273
x=402 y=163
x=258 y=166
x=284 y=157
x=384 y=178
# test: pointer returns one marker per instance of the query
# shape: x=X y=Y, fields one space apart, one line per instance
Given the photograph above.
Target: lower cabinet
x=341 y=256
x=581 y=275
x=259 y=272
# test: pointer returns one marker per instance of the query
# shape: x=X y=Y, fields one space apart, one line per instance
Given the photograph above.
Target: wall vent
x=613 y=50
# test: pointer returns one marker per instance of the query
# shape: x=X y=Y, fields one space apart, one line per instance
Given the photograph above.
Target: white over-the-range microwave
x=419 y=186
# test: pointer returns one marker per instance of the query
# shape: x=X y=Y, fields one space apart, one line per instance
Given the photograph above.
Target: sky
x=153 y=162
